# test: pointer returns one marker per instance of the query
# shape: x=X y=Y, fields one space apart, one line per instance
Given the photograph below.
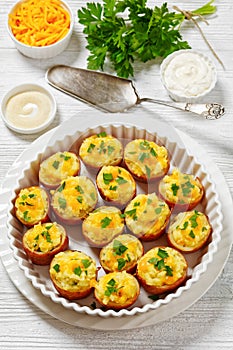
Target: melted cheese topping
x=73 y=270
x=157 y=273
x=146 y=214
x=122 y=253
x=190 y=229
x=146 y=158
x=58 y=167
x=103 y=224
x=117 y=287
x=44 y=237
x=32 y=204
x=75 y=197
x=101 y=149
x=116 y=183
x=180 y=188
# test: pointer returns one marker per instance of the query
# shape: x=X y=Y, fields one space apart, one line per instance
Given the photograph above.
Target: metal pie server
x=114 y=94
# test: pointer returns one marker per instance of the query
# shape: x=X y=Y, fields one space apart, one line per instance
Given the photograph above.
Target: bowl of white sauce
x=28 y=108
x=188 y=75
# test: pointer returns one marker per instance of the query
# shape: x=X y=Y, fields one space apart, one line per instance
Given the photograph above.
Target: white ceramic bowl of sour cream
x=28 y=108
x=188 y=75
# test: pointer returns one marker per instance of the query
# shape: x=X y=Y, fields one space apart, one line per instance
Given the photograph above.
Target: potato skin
x=176 y=207
x=153 y=289
x=40 y=258
x=50 y=186
x=183 y=249
x=46 y=215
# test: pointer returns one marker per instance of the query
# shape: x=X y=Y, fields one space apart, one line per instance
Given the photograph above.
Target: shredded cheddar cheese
x=39 y=23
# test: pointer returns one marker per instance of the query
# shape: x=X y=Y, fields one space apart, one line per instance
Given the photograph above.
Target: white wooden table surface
x=208 y=324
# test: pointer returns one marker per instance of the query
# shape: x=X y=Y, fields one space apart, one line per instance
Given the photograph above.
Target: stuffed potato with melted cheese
x=161 y=270
x=189 y=231
x=121 y=254
x=101 y=149
x=116 y=185
x=117 y=290
x=57 y=167
x=73 y=274
x=147 y=216
x=32 y=206
x=102 y=225
x=74 y=199
x=181 y=191
x=43 y=241
x=146 y=160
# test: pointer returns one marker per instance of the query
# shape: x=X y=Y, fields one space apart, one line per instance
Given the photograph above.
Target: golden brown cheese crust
x=74 y=199
x=73 y=274
x=57 y=168
x=189 y=231
x=161 y=270
x=102 y=225
x=43 y=241
x=32 y=206
x=101 y=149
x=121 y=254
x=116 y=185
x=147 y=216
x=181 y=191
x=117 y=290
x=146 y=160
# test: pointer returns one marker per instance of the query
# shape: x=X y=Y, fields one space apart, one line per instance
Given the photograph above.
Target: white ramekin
x=43 y=52
x=182 y=96
x=23 y=88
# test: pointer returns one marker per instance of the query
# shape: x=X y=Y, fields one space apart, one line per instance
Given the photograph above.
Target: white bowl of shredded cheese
x=40 y=29
x=188 y=75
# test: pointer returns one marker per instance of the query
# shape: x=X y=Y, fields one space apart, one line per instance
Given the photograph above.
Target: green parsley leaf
x=56 y=164
x=105 y=222
x=120 y=180
x=56 y=267
x=77 y=271
x=86 y=263
x=107 y=177
x=121 y=263
x=62 y=202
x=174 y=189
x=118 y=247
x=90 y=148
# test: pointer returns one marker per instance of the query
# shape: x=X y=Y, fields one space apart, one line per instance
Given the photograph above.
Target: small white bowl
x=28 y=87
x=188 y=75
x=43 y=52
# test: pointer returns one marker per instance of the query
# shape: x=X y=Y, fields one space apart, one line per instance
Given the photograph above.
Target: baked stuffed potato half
x=146 y=160
x=58 y=167
x=181 y=191
x=121 y=254
x=117 y=290
x=102 y=225
x=161 y=270
x=73 y=274
x=32 y=206
x=116 y=185
x=189 y=231
x=147 y=216
x=74 y=199
x=43 y=241
x=101 y=149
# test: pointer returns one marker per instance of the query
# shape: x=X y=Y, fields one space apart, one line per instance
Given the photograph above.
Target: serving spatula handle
x=206 y=110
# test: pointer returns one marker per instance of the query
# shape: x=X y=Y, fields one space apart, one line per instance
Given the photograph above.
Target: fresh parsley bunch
x=128 y=30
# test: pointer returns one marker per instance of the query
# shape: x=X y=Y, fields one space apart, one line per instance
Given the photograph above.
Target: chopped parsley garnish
x=111 y=287
x=79 y=189
x=61 y=188
x=160 y=263
x=144 y=145
x=143 y=156
x=90 y=148
x=174 y=189
x=47 y=236
x=102 y=134
x=153 y=153
x=77 y=271
x=158 y=210
x=65 y=157
x=32 y=195
x=121 y=263
x=186 y=188
x=110 y=150
x=56 y=164
x=118 y=247
x=148 y=172
x=153 y=297
x=107 y=177
x=56 y=267
x=101 y=148
x=86 y=263
x=191 y=234
x=113 y=188
x=131 y=213
x=120 y=180
x=105 y=222
x=25 y=216
x=92 y=195
x=80 y=199
x=62 y=202
x=136 y=204
x=185 y=225
x=193 y=219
